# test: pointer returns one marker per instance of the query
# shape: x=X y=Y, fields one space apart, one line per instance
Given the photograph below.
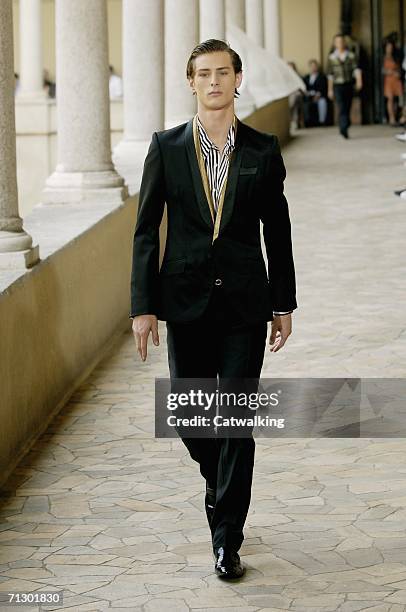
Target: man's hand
x=281 y=330
x=142 y=325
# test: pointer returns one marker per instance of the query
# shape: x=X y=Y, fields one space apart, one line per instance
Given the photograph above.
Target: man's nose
x=214 y=79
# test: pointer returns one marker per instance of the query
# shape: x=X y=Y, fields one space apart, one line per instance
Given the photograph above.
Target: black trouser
x=216 y=344
x=343 y=94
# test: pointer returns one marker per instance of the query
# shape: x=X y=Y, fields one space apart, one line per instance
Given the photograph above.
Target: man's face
x=314 y=67
x=339 y=43
x=214 y=72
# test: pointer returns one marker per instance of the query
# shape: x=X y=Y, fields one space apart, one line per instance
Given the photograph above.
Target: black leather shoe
x=228 y=564
x=209 y=503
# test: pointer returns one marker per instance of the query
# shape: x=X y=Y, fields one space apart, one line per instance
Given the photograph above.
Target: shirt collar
x=207 y=144
x=343 y=56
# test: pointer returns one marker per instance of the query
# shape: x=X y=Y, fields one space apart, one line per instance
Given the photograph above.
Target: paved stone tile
x=101 y=509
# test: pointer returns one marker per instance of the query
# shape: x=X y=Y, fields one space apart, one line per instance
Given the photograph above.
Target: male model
x=219 y=178
x=341 y=71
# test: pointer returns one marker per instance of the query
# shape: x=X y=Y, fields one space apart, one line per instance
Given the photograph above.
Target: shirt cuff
x=283 y=313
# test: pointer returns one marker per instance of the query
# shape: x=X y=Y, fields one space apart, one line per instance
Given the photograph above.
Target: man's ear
x=191 y=84
x=238 y=79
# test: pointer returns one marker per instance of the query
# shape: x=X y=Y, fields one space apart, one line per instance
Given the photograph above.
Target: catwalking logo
x=221 y=421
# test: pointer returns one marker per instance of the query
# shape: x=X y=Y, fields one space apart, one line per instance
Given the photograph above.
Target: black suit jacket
x=180 y=290
x=320 y=84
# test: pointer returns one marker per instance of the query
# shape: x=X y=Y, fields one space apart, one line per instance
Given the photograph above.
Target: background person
x=115 y=84
x=49 y=85
x=315 y=101
x=341 y=71
x=16 y=83
x=392 y=80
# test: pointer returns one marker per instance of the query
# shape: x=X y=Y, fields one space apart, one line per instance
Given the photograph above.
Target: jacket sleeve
x=277 y=233
x=145 y=257
x=323 y=85
x=330 y=69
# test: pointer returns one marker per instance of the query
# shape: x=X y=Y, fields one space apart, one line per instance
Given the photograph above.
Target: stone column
x=254 y=21
x=212 y=19
x=235 y=13
x=143 y=80
x=84 y=169
x=31 y=69
x=181 y=36
x=272 y=26
x=16 y=248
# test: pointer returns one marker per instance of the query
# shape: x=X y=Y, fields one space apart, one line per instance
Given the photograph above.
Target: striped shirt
x=216 y=163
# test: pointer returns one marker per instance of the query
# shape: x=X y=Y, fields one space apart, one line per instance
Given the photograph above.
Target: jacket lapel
x=231 y=186
x=233 y=172
x=196 y=176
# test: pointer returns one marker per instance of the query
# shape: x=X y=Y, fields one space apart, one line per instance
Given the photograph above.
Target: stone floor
x=112 y=516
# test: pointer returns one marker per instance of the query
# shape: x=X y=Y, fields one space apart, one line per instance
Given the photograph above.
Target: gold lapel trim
x=216 y=219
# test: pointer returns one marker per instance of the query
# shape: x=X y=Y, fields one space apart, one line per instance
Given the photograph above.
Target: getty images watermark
x=207 y=401
x=284 y=407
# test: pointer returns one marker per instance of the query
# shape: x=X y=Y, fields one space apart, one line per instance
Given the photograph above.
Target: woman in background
x=392 y=83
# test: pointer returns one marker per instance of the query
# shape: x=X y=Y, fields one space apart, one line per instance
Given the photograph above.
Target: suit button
x=218 y=282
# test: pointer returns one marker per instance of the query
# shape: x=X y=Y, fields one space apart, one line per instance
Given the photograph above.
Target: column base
x=21 y=254
x=76 y=187
x=32 y=96
x=128 y=158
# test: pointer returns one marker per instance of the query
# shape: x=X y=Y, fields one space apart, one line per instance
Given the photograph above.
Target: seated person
x=49 y=85
x=115 y=85
x=315 y=107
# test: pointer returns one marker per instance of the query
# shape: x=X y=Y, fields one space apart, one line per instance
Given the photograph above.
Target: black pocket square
x=251 y=170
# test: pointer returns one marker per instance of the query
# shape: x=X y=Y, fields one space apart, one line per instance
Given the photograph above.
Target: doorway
x=387 y=20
